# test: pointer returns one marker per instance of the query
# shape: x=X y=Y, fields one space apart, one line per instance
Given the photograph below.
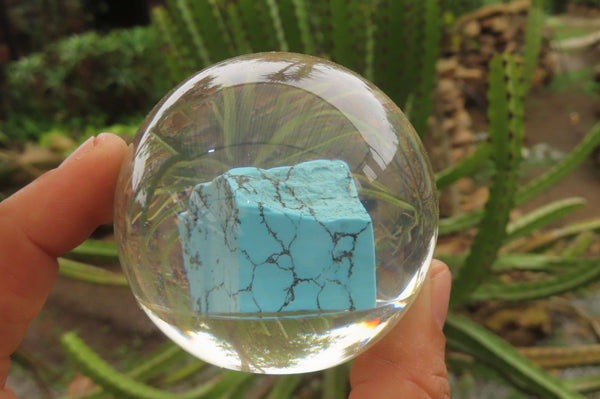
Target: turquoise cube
x=284 y=239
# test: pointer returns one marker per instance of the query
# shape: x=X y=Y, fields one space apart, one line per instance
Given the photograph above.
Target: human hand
x=59 y=210
x=409 y=362
x=44 y=220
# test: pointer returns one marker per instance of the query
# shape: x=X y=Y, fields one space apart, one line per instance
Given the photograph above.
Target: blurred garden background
x=505 y=95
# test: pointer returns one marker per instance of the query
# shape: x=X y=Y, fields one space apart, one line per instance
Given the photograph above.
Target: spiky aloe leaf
x=179 y=61
x=587 y=384
x=579 y=245
x=291 y=25
x=533 y=43
x=124 y=386
x=459 y=222
x=342 y=35
x=543 y=216
x=304 y=26
x=207 y=19
x=156 y=363
x=579 y=154
x=370 y=29
x=335 y=382
x=534 y=262
x=506 y=137
x=240 y=37
x=547 y=238
x=581 y=274
x=90 y=274
x=469 y=337
x=519 y=261
x=277 y=25
x=432 y=34
x=256 y=21
x=96 y=250
x=390 y=51
x=536 y=186
x=285 y=386
x=182 y=14
x=410 y=52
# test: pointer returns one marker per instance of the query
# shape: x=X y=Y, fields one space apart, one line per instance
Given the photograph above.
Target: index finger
x=47 y=218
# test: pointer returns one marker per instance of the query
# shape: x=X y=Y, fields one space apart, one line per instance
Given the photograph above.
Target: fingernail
x=83 y=149
x=101 y=138
x=441 y=281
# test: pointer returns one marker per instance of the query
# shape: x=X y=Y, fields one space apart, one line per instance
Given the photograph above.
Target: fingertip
x=109 y=139
x=441 y=283
x=103 y=142
x=110 y=143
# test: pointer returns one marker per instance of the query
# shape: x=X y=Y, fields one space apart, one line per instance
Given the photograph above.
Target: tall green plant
x=506 y=137
x=394 y=42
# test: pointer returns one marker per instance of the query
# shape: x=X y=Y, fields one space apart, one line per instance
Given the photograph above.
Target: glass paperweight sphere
x=276 y=213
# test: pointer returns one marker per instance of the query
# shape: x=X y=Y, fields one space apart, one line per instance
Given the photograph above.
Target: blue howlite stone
x=291 y=238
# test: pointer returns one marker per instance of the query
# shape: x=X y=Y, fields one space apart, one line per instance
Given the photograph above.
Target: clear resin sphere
x=276 y=213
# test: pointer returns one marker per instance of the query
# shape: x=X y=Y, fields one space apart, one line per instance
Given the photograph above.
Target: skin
x=59 y=210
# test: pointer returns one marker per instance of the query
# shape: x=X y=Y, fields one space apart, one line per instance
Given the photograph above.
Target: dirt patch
x=560 y=120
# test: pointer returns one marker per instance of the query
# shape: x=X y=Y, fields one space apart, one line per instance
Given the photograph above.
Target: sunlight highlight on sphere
x=276 y=213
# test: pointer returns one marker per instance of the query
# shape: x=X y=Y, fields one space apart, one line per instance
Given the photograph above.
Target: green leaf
x=390 y=56
x=277 y=25
x=579 y=245
x=181 y=10
x=517 y=261
x=548 y=237
x=304 y=26
x=285 y=386
x=459 y=222
x=408 y=49
x=258 y=25
x=90 y=274
x=469 y=337
x=180 y=62
x=291 y=25
x=240 y=38
x=432 y=34
x=533 y=262
x=533 y=43
x=123 y=386
x=582 y=273
x=587 y=384
x=370 y=29
x=96 y=250
x=215 y=38
x=335 y=382
x=342 y=35
x=558 y=172
x=543 y=216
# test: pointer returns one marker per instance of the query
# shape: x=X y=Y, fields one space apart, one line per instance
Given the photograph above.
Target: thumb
x=409 y=362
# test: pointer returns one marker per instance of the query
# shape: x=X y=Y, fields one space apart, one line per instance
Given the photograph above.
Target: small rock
x=463 y=119
x=462 y=137
x=471 y=29
x=463 y=73
x=465 y=185
x=446 y=67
